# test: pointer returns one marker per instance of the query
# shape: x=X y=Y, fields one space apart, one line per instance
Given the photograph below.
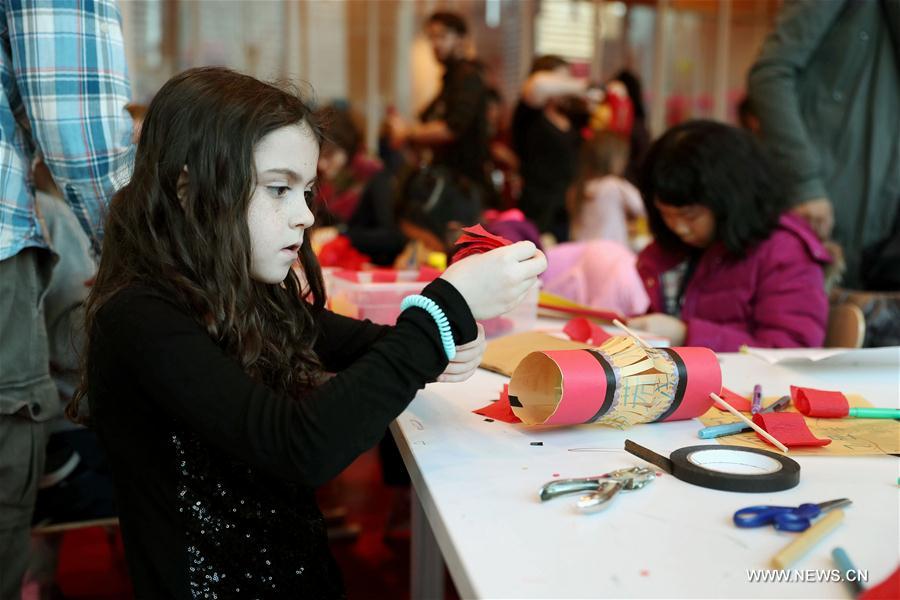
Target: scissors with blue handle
x=785 y=518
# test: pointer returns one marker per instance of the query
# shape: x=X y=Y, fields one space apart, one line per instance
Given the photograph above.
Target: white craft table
x=476 y=483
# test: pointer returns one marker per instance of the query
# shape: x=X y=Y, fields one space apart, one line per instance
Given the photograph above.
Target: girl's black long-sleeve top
x=214 y=472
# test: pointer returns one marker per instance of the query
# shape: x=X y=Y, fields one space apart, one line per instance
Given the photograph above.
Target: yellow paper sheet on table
x=849 y=436
x=551 y=305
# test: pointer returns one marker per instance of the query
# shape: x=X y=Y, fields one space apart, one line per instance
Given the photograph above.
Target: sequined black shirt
x=214 y=473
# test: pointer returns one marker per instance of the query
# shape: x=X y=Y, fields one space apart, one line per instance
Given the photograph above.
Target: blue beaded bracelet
x=443 y=325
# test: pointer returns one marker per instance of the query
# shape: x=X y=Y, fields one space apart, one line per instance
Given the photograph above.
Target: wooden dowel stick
x=621 y=325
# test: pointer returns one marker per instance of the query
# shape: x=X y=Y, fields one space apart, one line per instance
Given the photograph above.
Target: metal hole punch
x=601 y=488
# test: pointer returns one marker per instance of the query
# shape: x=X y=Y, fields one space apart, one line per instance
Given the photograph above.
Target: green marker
x=875 y=413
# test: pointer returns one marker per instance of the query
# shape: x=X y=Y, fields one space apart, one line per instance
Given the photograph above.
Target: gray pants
x=28 y=399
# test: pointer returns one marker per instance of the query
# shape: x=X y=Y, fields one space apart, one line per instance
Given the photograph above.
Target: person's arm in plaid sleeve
x=70 y=69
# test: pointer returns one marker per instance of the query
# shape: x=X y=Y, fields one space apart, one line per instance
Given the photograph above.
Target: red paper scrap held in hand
x=476 y=240
x=585 y=331
x=820 y=403
x=500 y=410
x=736 y=401
x=789 y=428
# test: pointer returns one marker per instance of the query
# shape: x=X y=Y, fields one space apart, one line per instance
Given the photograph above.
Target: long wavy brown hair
x=196 y=249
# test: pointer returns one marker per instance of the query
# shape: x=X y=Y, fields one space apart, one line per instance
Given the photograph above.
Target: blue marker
x=708 y=433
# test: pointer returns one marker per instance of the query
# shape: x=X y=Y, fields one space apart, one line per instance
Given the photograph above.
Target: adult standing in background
x=454 y=125
x=826 y=88
x=546 y=135
x=64 y=90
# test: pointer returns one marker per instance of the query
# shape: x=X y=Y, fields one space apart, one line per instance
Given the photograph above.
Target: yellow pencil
x=800 y=546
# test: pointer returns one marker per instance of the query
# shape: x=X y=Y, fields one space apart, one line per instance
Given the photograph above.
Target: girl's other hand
x=468 y=357
x=493 y=283
x=661 y=324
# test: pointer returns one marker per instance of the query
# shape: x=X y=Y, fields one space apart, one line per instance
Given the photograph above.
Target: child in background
x=432 y=208
x=512 y=225
x=546 y=135
x=373 y=228
x=599 y=274
x=207 y=356
x=728 y=267
x=601 y=202
x=344 y=167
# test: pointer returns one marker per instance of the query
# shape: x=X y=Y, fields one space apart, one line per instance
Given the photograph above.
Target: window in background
x=567 y=28
x=690 y=58
x=611 y=49
x=142 y=29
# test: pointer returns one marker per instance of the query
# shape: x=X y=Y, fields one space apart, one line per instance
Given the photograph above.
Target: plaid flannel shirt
x=64 y=90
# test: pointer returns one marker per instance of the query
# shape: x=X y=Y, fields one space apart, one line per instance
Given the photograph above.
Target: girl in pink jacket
x=728 y=267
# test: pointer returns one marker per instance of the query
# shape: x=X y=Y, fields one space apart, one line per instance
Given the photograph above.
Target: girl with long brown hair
x=204 y=371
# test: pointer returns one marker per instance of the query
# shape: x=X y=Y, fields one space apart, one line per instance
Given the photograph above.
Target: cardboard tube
x=618 y=384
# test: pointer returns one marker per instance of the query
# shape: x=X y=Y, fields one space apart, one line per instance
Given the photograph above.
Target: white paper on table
x=888 y=356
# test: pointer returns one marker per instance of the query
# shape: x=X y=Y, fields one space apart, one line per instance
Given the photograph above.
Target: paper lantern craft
x=619 y=383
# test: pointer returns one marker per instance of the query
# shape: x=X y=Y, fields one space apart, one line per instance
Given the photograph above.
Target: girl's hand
x=493 y=283
x=661 y=324
x=468 y=357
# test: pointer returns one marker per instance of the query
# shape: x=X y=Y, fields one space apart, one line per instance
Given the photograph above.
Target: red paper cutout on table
x=820 y=403
x=736 y=401
x=789 y=428
x=500 y=410
x=476 y=240
x=585 y=331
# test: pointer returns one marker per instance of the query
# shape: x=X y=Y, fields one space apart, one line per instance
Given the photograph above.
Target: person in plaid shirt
x=63 y=90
